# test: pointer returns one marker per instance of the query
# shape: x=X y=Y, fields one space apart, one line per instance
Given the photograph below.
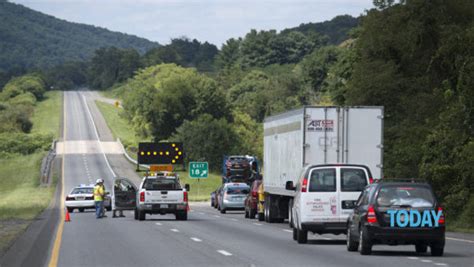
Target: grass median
x=21 y=196
x=200 y=190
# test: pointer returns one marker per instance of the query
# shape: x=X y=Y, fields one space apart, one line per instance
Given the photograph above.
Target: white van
x=325 y=197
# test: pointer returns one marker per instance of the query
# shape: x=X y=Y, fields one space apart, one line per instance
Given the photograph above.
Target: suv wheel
x=365 y=246
x=350 y=243
x=437 y=249
x=301 y=236
x=421 y=248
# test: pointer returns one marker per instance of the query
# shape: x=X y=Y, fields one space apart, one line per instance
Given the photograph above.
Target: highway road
x=208 y=238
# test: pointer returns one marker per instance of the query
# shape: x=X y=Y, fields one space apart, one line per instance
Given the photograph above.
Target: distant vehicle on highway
x=325 y=197
x=233 y=196
x=372 y=224
x=162 y=194
x=218 y=196
x=82 y=197
x=251 y=201
x=213 y=198
x=239 y=169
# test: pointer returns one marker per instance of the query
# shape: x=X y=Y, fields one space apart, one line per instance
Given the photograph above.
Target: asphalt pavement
x=208 y=238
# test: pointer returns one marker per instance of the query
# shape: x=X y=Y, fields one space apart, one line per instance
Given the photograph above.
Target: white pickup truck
x=162 y=194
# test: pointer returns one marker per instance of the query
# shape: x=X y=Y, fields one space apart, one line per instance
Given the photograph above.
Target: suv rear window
x=323 y=180
x=161 y=184
x=409 y=195
x=353 y=180
x=237 y=190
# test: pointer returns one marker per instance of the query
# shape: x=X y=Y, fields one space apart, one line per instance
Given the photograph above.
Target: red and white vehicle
x=162 y=194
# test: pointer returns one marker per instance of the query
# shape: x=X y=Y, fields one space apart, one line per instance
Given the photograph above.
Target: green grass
x=47 y=114
x=119 y=126
x=200 y=191
x=21 y=196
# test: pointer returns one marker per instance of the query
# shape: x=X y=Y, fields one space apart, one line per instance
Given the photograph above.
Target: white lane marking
x=217 y=216
x=258 y=224
x=459 y=239
x=225 y=253
x=196 y=239
x=427 y=261
x=202 y=213
x=97 y=135
x=174 y=230
x=158 y=223
x=235 y=220
x=413 y=258
x=289 y=231
x=440 y=264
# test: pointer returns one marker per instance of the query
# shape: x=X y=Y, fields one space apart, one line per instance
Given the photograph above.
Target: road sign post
x=198 y=170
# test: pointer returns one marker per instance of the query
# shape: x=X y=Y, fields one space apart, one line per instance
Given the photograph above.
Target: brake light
x=371 y=180
x=304 y=184
x=142 y=196
x=254 y=193
x=441 y=218
x=185 y=196
x=371 y=218
x=70 y=198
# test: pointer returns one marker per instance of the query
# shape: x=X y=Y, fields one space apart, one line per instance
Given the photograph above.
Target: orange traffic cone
x=67 y=217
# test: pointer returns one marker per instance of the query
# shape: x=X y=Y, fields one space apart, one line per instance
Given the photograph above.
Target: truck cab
x=325 y=196
x=162 y=194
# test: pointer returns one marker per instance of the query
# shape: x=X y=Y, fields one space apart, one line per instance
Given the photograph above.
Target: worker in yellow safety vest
x=99 y=194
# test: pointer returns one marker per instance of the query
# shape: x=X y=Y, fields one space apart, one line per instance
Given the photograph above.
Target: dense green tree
x=32 y=83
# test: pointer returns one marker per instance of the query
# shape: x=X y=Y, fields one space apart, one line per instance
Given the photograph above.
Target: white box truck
x=316 y=135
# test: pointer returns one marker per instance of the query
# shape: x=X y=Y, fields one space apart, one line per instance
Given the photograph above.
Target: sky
x=214 y=21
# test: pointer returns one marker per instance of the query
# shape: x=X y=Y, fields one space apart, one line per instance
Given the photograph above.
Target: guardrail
x=132 y=160
x=45 y=171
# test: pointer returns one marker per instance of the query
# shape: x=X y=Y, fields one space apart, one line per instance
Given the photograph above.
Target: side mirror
x=289 y=186
x=186 y=186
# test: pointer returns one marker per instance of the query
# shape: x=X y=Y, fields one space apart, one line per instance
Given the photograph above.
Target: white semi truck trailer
x=317 y=135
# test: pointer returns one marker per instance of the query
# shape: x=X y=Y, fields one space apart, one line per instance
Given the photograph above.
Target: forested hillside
x=30 y=39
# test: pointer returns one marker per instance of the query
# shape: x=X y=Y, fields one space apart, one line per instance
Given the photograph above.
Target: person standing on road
x=102 y=211
x=99 y=194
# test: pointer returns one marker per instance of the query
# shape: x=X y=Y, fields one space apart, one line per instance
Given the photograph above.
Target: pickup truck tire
x=261 y=217
x=252 y=213
x=141 y=215
x=182 y=216
x=136 y=214
x=301 y=236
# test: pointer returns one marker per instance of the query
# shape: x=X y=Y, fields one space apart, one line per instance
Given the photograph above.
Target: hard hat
x=98 y=181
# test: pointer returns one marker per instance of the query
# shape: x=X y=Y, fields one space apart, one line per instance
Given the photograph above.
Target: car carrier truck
x=316 y=135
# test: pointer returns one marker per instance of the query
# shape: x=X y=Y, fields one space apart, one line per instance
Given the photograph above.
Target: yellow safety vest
x=98 y=193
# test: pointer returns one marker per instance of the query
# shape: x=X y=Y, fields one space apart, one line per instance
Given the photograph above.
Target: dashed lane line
x=440 y=264
x=413 y=258
x=258 y=224
x=289 y=231
x=459 y=239
x=174 y=230
x=426 y=261
x=159 y=224
x=225 y=253
x=195 y=239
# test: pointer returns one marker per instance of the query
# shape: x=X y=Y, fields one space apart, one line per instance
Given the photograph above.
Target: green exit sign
x=198 y=170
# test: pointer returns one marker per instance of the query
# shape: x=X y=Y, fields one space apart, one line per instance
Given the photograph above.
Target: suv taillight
x=185 y=196
x=371 y=218
x=304 y=184
x=441 y=217
x=142 y=196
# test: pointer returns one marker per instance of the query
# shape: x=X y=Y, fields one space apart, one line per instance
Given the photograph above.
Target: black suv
x=380 y=217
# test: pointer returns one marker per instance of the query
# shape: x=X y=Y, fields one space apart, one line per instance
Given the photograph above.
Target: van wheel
x=350 y=243
x=421 y=248
x=437 y=249
x=261 y=217
x=301 y=236
x=294 y=234
x=182 y=216
x=365 y=246
x=141 y=215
